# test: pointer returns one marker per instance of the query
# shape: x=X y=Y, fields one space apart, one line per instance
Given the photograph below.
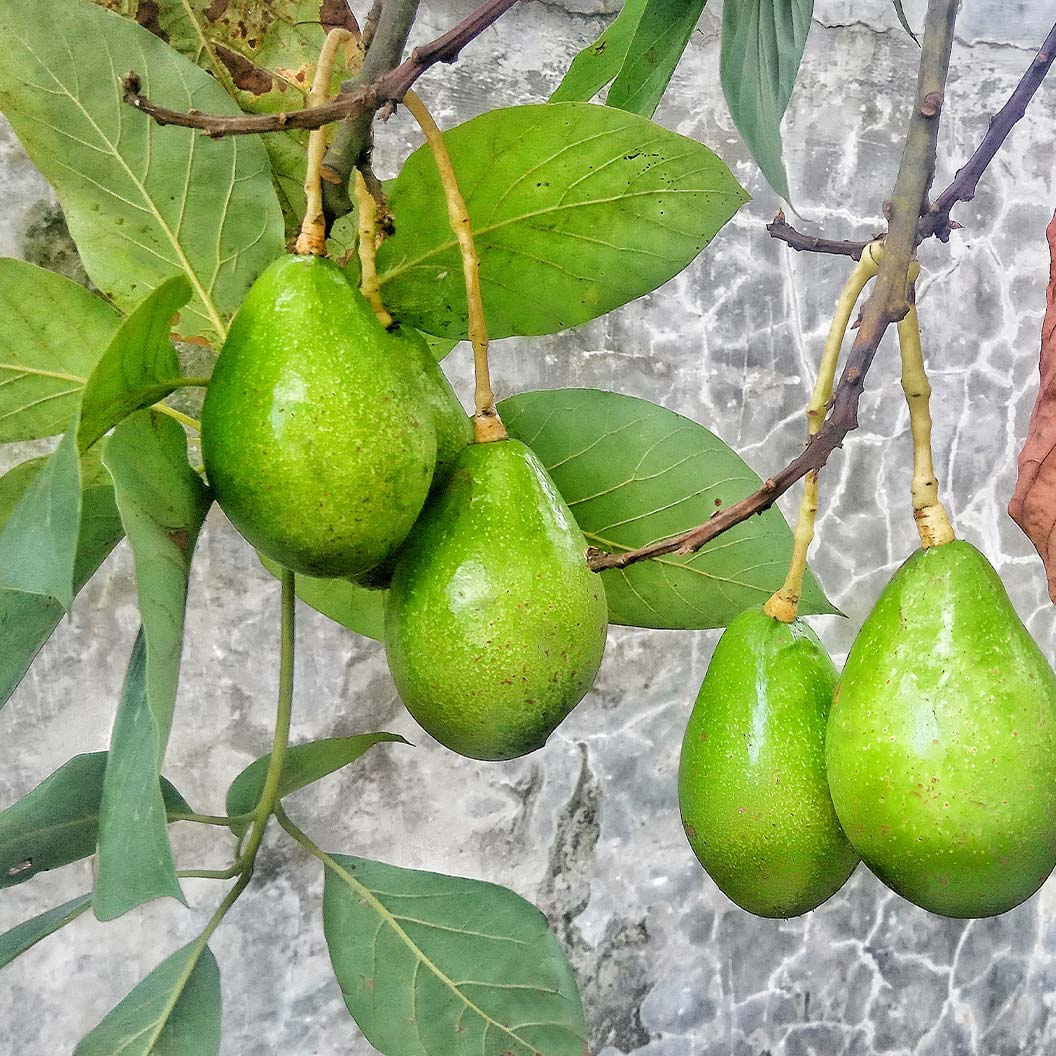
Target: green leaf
x=54 y=332
x=433 y=965
x=139 y=366
x=305 y=764
x=143 y=202
x=162 y=502
x=660 y=38
x=26 y=935
x=355 y=607
x=38 y=543
x=265 y=54
x=576 y=209
x=174 y=1011
x=900 y=11
x=57 y=822
x=633 y=473
x=762 y=44
x=598 y=63
x=27 y=620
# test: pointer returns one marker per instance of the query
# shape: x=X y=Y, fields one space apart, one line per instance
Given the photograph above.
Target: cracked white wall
x=588 y=827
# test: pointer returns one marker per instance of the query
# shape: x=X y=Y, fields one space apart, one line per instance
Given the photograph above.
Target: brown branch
x=888 y=303
x=936 y=221
x=388 y=88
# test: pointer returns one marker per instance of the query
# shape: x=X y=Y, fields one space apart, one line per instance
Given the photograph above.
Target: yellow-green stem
x=784 y=604
x=179 y=416
x=933 y=523
x=367 y=209
x=487 y=425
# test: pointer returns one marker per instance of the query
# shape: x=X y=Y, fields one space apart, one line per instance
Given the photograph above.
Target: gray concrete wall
x=588 y=828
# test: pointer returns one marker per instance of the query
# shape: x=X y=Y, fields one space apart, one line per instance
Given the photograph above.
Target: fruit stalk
x=367 y=208
x=933 y=523
x=784 y=604
x=312 y=238
x=487 y=425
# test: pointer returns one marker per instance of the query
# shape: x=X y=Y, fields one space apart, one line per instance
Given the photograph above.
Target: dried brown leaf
x=1033 y=506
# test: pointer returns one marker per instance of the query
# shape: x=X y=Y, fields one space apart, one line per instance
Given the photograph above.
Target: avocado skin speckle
x=494 y=626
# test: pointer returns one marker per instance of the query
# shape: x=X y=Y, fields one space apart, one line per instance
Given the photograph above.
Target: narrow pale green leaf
x=27 y=620
x=162 y=502
x=174 y=1011
x=53 y=333
x=433 y=965
x=598 y=63
x=355 y=607
x=762 y=44
x=58 y=821
x=305 y=764
x=576 y=209
x=632 y=473
x=26 y=935
x=38 y=543
x=660 y=38
x=143 y=202
x=139 y=366
x=900 y=11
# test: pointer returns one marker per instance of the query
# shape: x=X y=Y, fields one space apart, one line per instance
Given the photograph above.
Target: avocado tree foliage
x=577 y=205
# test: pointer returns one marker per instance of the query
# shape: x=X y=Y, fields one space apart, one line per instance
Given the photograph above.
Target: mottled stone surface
x=588 y=827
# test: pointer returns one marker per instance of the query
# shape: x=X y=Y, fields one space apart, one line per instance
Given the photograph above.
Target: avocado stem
x=784 y=604
x=367 y=210
x=487 y=425
x=933 y=523
x=312 y=238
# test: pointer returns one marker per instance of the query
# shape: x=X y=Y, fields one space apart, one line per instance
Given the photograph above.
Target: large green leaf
x=576 y=209
x=143 y=202
x=355 y=607
x=139 y=366
x=53 y=333
x=162 y=504
x=433 y=965
x=174 y=1011
x=38 y=542
x=660 y=38
x=633 y=473
x=264 y=54
x=26 y=935
x=57 y=822
x=304 y=765
x=27 y=620
x=762 y=44
x=598 y=63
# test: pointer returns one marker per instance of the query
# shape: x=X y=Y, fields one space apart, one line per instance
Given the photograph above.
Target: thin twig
x=367 y=246
x=389 y=88
x=487 y=425
x=936 y=221
x=888 y=303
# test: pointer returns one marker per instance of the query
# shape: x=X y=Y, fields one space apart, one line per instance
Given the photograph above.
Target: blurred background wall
x=588 y=827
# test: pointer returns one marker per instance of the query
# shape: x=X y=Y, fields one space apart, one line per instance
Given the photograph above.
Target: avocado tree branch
x=888 y=303
x=353 y=142
x=936 y=220
x=367 y=98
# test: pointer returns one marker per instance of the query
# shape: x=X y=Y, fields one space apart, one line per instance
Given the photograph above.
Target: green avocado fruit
x=941 y=750
x=494 y=625
x=751 y=781
x=315 y=434
x=454 y=428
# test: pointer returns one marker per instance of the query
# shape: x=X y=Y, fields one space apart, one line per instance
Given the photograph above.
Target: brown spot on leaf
x=216 y=9
x=334 y=14
x=149 y=17
x=245 y=74
x=182 y=540
x=1033 y=505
